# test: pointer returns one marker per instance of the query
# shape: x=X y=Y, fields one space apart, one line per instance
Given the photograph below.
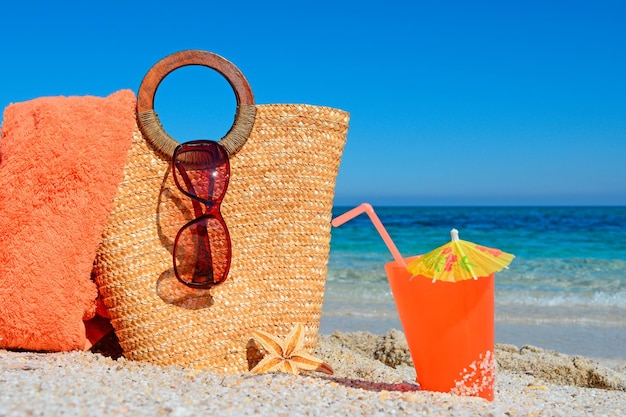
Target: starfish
x=287 y=354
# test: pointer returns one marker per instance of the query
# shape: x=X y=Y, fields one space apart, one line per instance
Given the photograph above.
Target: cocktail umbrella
x=459 y=260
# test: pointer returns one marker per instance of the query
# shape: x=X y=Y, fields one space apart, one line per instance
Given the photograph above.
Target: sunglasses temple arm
x=196 y=205
x=204 y=256
x=204 y=253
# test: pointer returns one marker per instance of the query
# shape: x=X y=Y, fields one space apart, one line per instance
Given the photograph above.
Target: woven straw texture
x=278 y=212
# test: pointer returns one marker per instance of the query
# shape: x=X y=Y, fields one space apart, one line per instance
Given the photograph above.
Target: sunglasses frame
x=212 y=208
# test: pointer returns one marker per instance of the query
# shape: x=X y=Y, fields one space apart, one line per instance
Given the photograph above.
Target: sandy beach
x=373 y=377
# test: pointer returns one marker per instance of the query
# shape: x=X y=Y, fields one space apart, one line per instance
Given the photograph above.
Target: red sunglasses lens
x=202 y=252
x=202 y=170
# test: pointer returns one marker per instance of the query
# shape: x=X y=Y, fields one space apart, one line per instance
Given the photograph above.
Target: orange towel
x=62 y=160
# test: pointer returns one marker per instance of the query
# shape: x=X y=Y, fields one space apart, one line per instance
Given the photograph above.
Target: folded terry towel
x=62 y=160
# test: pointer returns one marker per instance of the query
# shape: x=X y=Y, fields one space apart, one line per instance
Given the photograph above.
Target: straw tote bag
x=284 y=160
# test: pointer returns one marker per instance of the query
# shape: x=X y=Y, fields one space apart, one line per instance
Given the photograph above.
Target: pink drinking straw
x=367 y=208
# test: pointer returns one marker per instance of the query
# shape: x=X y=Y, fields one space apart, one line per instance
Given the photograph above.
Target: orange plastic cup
x=449 y=328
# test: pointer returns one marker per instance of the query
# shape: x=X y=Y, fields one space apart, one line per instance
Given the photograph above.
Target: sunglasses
x=202 y=248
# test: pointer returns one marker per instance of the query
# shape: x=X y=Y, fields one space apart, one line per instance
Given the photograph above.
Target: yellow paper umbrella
x=459 y=260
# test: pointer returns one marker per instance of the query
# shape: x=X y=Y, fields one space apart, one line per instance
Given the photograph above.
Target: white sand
x=530 y=382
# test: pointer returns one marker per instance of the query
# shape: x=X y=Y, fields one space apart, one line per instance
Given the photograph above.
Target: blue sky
x=452 y=103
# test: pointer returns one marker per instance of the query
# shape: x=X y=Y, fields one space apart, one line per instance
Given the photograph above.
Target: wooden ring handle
x=149 y=122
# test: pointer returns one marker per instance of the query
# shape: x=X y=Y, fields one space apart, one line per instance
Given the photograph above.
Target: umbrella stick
x=369 y=210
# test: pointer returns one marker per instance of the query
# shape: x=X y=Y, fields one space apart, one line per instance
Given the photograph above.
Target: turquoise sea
x=565 y=290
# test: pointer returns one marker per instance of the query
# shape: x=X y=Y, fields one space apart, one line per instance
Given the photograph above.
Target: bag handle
x=149 y=122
